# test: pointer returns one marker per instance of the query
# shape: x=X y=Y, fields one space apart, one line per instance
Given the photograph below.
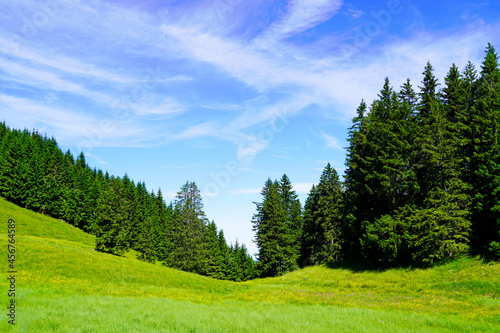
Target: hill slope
x=64 y=285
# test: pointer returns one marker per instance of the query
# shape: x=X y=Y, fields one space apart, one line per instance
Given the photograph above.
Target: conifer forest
x=421 y=186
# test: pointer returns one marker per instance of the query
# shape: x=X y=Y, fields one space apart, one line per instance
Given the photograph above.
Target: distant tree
x=269 y=226
x=225 y=258
x=246 y=263
x=164 y=216
x=292 y=224
x=215 y=265
x=113 y=225
x=190 y=251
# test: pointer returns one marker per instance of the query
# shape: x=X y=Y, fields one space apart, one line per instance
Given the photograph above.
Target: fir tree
x=323 y=238
x=292 y=224
x=190 y=251
x=269 y=226
x=356 y=193
x=215 y=265
x=428 y=92
x=113 y=225
x=440 y=229
x=485 y=161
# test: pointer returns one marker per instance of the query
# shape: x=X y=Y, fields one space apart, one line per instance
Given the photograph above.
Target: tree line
x=37 y=175
x=422 y=185
x=422 y=181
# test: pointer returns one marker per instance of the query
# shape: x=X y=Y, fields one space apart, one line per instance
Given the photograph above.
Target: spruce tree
x=485 y=161
x=269 y=227
x=225 y=257
x=292 y=224
x=215 y=263
x=189 y=251
x=11 y=167
x=356 y=193
x=428 y=92
x=440 y=228
x=113 y=225
x=323 y=238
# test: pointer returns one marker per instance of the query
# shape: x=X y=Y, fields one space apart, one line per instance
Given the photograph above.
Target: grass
x=64 y=285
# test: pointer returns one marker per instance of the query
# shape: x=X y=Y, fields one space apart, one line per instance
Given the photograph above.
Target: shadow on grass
x=363 y=265
x=357 y=265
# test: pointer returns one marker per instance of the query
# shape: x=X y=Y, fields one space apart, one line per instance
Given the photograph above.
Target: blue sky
x=225 y=93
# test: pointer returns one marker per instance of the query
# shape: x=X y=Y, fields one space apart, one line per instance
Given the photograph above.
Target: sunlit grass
x=65 y=285
x=47 y=310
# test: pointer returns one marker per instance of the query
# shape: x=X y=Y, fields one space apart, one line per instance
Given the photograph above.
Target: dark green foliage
x=485 y=159
x=37 y=175
x=441 y=228
x=422 y=177
x=441 y=231
x=384 y=239
x=293 y=223
x=428 y=92
x=356 y=193
x=322 y=239
x=215 y=265
x=189 y=251
x=269 y=226
x=422 y=185
x=277 y=224
x=114 y=222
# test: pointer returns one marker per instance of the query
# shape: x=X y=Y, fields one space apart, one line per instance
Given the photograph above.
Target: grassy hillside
x=64 y=285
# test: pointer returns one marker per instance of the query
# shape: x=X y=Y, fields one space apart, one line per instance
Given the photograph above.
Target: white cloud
x=355 y=13
x=199 y=130
x=302 y=187
x=246 y=191
x=71 y=127
x=59 y=62
x=96 y=158
x=303 y=15
x=298 y=76
x=331 y=142
x=247 y=152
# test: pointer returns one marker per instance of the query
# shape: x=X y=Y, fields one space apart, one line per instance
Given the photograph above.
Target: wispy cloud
x=302 y=187
x=199 y=130
x=96 y=158
x=330 y=141
x=303 y=15
x=101 y=54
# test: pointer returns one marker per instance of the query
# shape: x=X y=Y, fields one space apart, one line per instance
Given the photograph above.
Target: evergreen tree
x=113 y=225
x=485 y=161
x=292 y=224
x=428 y=92
x=225 y=257
x=269 y=226
x=323 y=240
x=147 y=240
x=163 y=215
x=11 y=167
x=246 y=263
x=215 y=267
x=440 y=229
x=309 y=227
x=356 y=193
x=190 y=251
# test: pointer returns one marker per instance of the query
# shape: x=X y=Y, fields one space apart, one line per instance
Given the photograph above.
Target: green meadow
x=64 y=285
